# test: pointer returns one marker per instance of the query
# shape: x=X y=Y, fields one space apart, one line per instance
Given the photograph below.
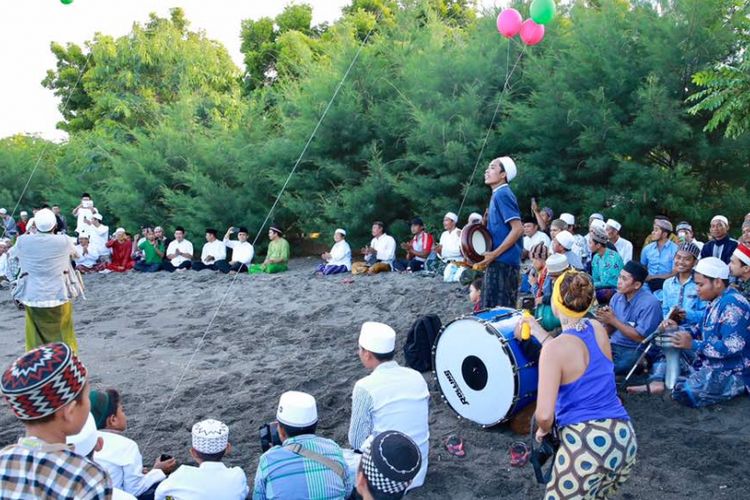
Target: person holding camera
x=392 y=397
x=84 y=212
x=301 y=465
x=242 y=250
x=211 y=479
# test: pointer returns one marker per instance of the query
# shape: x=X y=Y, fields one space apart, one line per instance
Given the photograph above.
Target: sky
x=27 y=27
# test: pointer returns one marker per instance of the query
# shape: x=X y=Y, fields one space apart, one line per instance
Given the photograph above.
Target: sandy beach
x=296 y=331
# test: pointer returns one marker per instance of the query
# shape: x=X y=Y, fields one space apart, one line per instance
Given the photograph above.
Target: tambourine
x=475 y=241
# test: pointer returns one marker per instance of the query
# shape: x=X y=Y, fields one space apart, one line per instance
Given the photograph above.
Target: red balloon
x=509 y=23
x=531 y=32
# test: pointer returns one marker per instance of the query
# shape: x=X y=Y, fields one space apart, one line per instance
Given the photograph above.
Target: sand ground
x=296 y=331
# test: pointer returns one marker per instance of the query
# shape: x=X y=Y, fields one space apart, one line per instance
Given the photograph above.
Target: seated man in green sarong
x=277 y=256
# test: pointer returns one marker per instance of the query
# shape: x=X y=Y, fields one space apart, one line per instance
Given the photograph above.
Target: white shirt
x=124 y=463
x=385 y=247
x=625 y=249
x=83 y=213
x=341 y=255
x=44 y=258
x=531 y=242
x=212 y=480
x=88 y=260
x=242 y=251
x=450 y=241
x=118 y=494
x=215 y=249
x=98 y=237
x=183 y=246
x=395 y=398
x=4 y=271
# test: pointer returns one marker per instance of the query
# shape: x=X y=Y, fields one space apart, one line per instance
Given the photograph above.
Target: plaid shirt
x=35 y=469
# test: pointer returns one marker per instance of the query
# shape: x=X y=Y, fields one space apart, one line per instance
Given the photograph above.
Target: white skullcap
x=210 y=436
x=84 y=234
x=377 y=337
x=85 y=441
x=475 y=218
x=451 y=216
x=614 y=225
x=340 y=231
x=509 y=166
x=713 y=267
x=3 y=211
x=565 y=239
x=568 y=219
x=599 y=224
x=97 y=216
x=297 y=409
x=720 y=218
x=119 y=230
x=596 y=215
x=45 y=220
x=24 y=212
x=556 y=263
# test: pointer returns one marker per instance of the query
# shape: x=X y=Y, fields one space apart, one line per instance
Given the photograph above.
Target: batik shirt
x=725 y=333
x=684 y=296
x=605 y=269
x=743 y=287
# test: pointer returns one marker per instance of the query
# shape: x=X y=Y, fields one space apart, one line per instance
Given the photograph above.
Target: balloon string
x=508 y=75
x=270 y=212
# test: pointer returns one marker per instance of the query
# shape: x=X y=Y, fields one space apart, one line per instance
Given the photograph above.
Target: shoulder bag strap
x=336 y=467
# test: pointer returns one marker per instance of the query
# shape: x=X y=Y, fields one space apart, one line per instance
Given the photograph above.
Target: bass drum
x=482 y=373
x=475 y=241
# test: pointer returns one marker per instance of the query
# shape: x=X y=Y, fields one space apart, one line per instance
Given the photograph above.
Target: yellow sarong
x=45 y=325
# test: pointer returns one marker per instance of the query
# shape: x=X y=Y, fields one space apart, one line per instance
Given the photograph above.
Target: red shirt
x=121 y=253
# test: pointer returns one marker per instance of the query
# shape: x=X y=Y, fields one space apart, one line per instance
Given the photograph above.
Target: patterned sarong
x=45 y=325
x=593 y=461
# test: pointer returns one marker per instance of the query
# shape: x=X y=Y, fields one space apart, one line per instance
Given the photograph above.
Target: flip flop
x=455 y=446
x=519 y=454
x=347 y=281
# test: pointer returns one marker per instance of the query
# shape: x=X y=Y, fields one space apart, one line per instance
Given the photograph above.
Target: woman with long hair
x=578 y=395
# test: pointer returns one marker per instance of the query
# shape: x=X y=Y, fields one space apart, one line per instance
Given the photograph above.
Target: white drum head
x=479 y=243
x=474 y=372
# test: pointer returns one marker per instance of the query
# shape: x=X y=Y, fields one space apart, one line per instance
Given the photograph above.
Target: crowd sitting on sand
x=595 y=310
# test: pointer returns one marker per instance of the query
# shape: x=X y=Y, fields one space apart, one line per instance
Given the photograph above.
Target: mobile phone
x=164 y=457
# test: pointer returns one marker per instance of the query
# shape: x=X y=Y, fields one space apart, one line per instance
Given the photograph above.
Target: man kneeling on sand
x=380 y=255
x=211 y=479
x=392 y=397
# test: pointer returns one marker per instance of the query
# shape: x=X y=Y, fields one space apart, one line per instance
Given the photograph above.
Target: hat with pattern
x=390 y=462
x=210 y=436
x=43 y=380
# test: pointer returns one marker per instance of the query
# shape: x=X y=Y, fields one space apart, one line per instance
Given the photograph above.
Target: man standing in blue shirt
x=503 y=262
x=658 y=256
x=633 y=314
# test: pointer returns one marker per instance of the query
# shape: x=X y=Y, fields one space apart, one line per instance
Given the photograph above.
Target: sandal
x=519 y=454
x=455 y=446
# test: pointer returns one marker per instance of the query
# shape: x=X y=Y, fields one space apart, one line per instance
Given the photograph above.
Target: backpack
x=419 y=342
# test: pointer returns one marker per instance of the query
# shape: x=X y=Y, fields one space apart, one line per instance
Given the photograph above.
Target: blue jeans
x=624 y=358
x=146 y=268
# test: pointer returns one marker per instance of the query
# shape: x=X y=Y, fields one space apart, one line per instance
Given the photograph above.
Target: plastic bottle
x=526 y=328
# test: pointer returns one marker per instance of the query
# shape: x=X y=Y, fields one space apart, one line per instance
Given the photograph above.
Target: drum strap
x=336 y=467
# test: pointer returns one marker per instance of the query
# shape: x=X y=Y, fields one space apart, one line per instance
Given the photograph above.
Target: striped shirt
x=284 y=474
x=35 y=469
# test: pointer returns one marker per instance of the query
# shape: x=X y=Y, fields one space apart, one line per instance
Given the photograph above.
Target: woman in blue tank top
x=577 y=393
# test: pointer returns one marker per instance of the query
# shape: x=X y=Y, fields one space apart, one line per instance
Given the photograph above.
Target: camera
x=235 y=230
x=528 y=303
x=269 y=436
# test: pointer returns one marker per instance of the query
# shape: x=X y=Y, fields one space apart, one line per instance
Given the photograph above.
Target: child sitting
x=211 y=479
x=475 y=294
x=120 y=455
x=48 y=391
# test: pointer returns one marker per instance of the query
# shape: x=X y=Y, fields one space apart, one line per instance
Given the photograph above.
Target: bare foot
x=655 y=388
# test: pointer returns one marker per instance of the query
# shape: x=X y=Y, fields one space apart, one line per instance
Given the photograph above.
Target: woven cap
x=43 y=380
x=390 y=462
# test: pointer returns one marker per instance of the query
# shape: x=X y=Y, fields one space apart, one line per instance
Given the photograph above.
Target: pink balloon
x=509 y=23
x=531 y=32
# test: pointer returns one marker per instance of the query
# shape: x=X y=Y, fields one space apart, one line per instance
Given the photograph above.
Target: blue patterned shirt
x=725 y=336
x=606 y=269
x=284 y=474
x=684 y=296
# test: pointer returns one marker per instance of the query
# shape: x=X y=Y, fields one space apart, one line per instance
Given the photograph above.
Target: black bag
x=419 y=342
x=543 y=453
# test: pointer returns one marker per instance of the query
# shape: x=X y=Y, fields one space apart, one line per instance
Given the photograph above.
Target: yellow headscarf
x=557 y=299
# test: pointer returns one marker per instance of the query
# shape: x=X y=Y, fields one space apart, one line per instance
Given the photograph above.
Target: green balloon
x=66 y=2
x=542 y=11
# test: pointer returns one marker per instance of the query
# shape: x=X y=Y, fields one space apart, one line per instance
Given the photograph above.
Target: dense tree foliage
x=165 y=129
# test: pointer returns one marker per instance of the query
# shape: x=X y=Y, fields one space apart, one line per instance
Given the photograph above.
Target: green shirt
x=278 y=250
x=149 y=251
